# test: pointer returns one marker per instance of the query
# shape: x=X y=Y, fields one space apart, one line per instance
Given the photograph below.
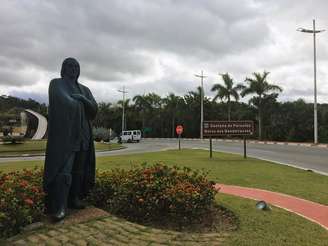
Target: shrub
x=150 y=193
x=101 y=134
x=21 y=200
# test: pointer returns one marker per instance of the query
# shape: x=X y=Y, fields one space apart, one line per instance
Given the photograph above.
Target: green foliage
x=263 y=91
x=10 y=105
x=21 y=200
x=151 y=193
x=101 y=134
x=227 y=91
x=9 y=139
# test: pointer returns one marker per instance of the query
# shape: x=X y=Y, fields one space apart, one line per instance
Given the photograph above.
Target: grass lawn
x=39 y=146
x=275 y=227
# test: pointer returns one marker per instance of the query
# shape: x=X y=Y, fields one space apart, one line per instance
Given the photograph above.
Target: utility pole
x=123 y=105
x=201 y=76
x=314 y=32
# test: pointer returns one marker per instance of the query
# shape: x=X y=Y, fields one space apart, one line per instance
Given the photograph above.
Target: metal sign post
x=211 y=150
x=179 y=131
x=179 y=142
x=245 y=156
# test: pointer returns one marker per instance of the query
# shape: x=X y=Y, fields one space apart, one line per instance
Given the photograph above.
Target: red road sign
x=179 y=129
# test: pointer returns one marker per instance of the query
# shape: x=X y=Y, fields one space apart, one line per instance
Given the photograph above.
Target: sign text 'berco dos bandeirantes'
x=220 y=128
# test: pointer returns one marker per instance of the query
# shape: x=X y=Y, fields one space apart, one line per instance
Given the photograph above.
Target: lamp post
x=201 y=103
x=314 y=32
x=123 y=105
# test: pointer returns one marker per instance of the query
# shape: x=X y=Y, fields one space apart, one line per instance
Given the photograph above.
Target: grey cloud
x=121 y=42
x=110 y=36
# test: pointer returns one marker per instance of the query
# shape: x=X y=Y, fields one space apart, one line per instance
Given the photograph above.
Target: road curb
x=248 y=141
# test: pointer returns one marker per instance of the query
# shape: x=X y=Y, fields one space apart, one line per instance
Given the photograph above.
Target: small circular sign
x=179 y=129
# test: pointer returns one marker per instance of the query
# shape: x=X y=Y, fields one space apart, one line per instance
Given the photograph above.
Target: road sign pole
x=211 y=150
x=245 y=155
x=179 y=131
x=179 y=142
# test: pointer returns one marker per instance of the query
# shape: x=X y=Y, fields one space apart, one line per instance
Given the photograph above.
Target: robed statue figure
x=69 y=170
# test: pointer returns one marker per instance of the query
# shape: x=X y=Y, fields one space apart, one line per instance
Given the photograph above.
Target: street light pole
x=201 y=103
x=314 y=32
x=315 y=86
x=123 y=107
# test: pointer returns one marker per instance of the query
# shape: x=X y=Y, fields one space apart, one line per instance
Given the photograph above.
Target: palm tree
x=141 y=104
x=172 y=103
x=150 y=107
x=193 y=97
x=226 y=91
x=192 y=109
x=104 y=115
x=261 y=87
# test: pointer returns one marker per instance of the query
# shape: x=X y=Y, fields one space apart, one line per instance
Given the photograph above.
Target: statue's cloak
x=64 y=131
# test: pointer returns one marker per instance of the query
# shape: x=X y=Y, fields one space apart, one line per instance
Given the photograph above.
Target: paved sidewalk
x=312 y=211
x=110 y=230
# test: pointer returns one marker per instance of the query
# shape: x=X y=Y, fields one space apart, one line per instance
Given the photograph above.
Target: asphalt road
x=314 y=158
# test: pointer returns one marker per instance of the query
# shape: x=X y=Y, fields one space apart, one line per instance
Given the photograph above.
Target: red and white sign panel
x=220 y=128
x=179 y=129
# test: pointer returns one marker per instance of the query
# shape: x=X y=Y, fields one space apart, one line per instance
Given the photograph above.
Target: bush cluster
x=21 y=200
x=151 y=193
x=142 y=194
x=101 y=134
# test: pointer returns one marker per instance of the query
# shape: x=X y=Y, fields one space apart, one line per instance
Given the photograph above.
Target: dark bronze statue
x=69 y=170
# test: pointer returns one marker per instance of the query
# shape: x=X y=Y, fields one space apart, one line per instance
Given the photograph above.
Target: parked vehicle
x=130 y=136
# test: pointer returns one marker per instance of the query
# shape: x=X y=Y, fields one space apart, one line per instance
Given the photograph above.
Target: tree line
x=158 y=116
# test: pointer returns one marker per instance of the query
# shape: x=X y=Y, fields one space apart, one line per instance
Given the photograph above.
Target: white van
x=130 y=136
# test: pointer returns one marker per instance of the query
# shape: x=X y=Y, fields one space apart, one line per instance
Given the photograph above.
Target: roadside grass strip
x=38 y=147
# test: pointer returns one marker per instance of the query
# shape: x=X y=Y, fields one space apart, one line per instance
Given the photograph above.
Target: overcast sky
x=158 y=45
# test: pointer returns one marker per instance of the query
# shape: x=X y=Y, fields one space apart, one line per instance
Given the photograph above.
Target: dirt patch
x=218 y=219
x=75 y=216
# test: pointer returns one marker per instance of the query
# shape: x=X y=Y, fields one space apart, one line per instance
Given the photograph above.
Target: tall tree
x=103 y=116
x=127 y=111
x=172 y=103
x=263 y=89
x=226 y=91
x=142 y=105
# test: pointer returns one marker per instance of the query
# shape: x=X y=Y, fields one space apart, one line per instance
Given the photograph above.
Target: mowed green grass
x=234 y=170
x=223 y=168
x=275 y=227
x=39 y=147
x=270 y=228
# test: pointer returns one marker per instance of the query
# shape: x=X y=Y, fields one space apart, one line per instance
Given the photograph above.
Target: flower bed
x=150 y=193
x=21 y=200
x=142 y=194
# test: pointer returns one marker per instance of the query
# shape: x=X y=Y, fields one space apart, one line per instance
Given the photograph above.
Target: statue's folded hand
x=79 y=97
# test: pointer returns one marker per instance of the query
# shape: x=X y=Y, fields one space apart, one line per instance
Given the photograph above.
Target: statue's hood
x=68 y=72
